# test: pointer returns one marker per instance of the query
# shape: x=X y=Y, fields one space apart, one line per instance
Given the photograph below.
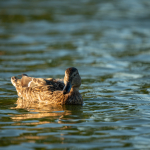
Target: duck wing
x=48 y=84
x=25 y=80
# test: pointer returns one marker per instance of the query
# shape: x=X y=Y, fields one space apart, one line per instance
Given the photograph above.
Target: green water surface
x=108 y=41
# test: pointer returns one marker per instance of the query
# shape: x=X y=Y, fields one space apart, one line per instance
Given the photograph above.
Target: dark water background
x=108 y=41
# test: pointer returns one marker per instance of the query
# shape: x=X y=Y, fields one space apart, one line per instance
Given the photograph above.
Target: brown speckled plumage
x=50 y=90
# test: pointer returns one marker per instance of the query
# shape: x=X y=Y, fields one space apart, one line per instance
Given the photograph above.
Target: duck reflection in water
x=50 y=90
x=50 y=113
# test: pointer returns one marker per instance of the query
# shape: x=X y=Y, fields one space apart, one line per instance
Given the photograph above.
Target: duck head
x=72 y=79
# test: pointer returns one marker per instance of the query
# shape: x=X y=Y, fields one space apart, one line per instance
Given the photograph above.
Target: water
x=109 y=43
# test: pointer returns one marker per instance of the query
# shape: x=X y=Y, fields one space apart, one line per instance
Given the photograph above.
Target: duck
x=50 y=90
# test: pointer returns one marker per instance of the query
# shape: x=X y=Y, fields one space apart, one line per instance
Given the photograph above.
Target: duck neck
x=74 y=89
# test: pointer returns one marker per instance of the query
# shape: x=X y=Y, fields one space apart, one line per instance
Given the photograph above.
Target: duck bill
x=67 y=88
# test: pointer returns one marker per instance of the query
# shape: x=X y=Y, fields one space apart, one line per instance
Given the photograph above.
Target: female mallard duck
x=50 y=90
